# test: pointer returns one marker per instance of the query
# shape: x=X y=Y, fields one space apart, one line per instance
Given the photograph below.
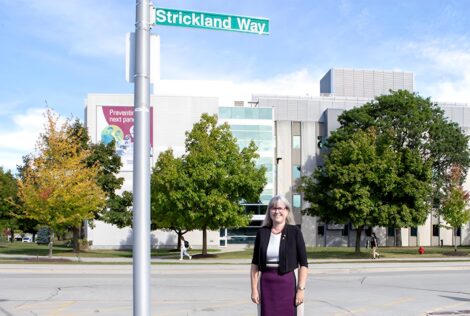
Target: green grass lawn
x=60 y=250
x=32 y=249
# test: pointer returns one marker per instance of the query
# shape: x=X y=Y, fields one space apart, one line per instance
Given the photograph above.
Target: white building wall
x=425 y=232
x=465 y=239
x=446 y=235
x=405 y=240
x=172 y=117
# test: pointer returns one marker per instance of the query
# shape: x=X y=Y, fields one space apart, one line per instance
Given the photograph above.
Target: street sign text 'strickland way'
x=172 y=17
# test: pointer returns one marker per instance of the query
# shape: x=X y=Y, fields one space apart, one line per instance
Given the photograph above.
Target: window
x=458 y=233
x=296 y=172
x=296 y=142
x=255 y=209
x=245 y=113
x=321 y=230
x=225 y=112
x=414 y=231
x=345 y=230
x=435 y=230
x=255 y=223
x=368 y=231
x=391 y=232
x=296 y=201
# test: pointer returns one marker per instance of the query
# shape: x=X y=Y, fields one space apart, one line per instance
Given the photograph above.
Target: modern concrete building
x=302 y=123
x=288 y=131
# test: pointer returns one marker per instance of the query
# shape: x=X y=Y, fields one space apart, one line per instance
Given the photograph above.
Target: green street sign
x=212 y=21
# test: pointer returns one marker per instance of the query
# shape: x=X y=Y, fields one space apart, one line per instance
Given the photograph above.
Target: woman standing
x=280 y=255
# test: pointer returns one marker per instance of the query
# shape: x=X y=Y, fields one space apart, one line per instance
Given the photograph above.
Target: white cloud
x=449 y=66
x=20 y=139
x=300 y=83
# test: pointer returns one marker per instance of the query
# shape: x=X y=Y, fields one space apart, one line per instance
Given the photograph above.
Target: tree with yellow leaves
x=58 y=189
x=455 y=207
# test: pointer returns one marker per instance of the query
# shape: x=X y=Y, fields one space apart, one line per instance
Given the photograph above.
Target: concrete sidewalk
x=59 y=259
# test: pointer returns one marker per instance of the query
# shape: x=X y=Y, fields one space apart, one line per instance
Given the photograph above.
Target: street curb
x=92 y=260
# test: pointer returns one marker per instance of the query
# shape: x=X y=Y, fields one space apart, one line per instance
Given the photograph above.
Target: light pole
x=141 y=168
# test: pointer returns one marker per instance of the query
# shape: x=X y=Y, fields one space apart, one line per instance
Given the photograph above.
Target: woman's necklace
x=277 y=230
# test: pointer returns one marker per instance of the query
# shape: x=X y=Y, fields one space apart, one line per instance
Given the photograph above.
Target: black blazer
x=292 y=253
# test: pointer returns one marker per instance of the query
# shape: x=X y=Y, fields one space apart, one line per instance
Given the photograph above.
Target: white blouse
x=272 y=253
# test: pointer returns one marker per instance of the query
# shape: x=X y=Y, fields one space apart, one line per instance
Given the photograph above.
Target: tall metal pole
x=141 y=177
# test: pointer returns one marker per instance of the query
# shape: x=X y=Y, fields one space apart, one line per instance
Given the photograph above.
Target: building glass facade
x=252 y=124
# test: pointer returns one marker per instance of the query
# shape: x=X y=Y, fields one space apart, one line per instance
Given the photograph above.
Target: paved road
x=339 y=289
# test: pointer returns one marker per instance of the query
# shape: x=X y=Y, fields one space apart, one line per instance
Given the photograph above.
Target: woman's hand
x=255 y=296
x=299 y=297
x=254 y=272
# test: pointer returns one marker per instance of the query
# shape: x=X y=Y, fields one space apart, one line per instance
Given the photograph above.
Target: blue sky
x=55 y=52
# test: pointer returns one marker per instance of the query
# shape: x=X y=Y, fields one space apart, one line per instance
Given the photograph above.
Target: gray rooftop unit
x=364 y=83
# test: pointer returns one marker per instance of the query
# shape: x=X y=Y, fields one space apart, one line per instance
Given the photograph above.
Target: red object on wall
x=421 y=250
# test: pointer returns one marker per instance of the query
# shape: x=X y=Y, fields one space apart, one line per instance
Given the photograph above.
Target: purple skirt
x=277 y=293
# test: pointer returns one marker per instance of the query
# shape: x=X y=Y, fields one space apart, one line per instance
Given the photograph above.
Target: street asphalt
x=210 y=287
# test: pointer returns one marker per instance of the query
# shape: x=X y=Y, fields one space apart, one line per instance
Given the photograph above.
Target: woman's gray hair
x=268 y=222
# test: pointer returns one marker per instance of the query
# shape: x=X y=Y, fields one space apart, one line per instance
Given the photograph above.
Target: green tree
x=361 y=182
x=414 y=123
x=212 y=178
x=58 y=189
x=455 y=210
x=117 y=209
x=169 y=203
x=8 y=193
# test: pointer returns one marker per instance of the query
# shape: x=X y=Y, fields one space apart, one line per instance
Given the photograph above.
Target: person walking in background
x=280 y=257
x=374 y=243
x=184 y=249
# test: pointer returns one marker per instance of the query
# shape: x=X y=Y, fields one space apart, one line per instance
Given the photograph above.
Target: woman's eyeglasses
x=274 y=209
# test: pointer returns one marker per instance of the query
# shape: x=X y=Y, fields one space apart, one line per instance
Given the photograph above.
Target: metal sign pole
x=141 y=175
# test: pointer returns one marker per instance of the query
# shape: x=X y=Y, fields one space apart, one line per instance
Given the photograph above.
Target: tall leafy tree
x=222 y=176
x=455 y=208
x=212 y=178
x=58 y=189
x=415 y=123
x=361 y=182
x=412 y=125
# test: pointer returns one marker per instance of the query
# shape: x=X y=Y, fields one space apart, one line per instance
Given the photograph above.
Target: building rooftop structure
x=364 y=83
